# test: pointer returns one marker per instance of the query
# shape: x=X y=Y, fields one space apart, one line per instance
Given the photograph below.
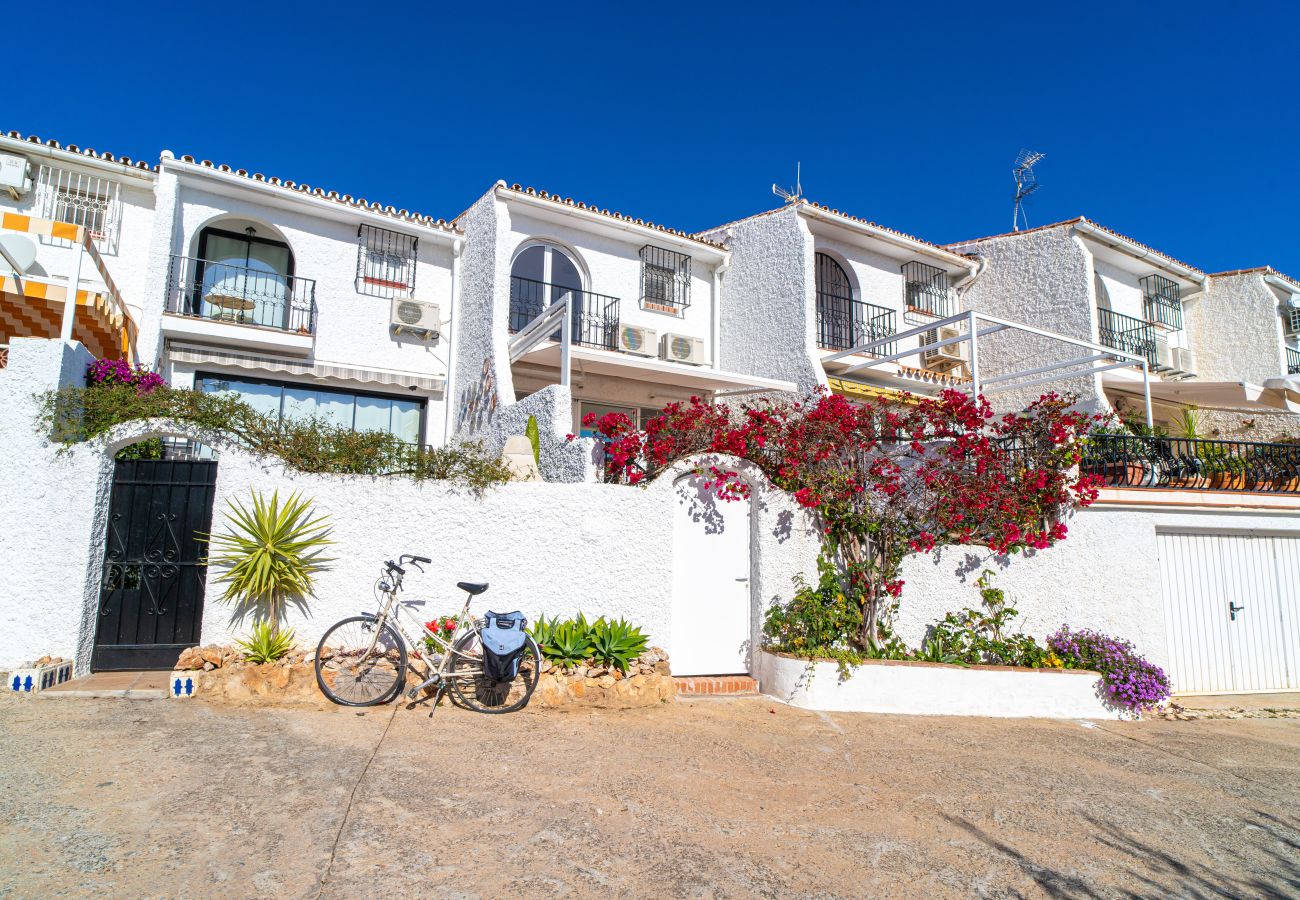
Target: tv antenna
x=795 y=193
x=1026 y=184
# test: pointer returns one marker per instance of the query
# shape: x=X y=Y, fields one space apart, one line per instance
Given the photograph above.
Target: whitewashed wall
x=768 y=301
x=553 y=548
x=1237 y=330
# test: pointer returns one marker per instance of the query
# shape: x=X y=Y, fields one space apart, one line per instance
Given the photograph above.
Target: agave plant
x=270 y=555
x=266 y=643
x=565 y=643
x=616 y=643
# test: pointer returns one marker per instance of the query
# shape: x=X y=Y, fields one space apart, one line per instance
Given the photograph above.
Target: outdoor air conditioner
x=637 y=339
x=424 y=319
x=1164 y=356
x=941 y=359
x=15 y=174
x=682 y=348
x=1185 y=361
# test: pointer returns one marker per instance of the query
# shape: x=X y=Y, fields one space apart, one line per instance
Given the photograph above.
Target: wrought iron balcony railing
x=1126 y=333
x=844 y=323
x=1173 y=463
x=242 y=295
x=595 y=316
x=1292 y=361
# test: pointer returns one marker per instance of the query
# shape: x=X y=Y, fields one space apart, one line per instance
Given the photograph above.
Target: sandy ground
x=709 y=798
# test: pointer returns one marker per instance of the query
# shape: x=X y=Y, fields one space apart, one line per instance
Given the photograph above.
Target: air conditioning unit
x=1164 y=356
x=15 y=174
x=1185 y=361
x=424 y=319
x=683 y=349
x=941 y=359
x=637 y=339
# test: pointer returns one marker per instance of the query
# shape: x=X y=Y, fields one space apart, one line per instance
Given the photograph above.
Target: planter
x=928 y=689
x=647 y=682
x=1287 y=484
x=1121 y=474
x=1227 y=481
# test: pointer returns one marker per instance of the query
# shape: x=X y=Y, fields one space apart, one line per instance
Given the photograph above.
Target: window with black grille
x=385 y=262
x=665 y=279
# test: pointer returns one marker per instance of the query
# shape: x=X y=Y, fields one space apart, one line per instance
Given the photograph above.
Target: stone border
x=931 y=689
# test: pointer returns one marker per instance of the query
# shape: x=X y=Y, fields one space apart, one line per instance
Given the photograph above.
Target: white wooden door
x=1231 y=603
x=711 y=606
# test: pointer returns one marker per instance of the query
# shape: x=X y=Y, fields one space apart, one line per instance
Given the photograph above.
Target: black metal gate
x=151 y=594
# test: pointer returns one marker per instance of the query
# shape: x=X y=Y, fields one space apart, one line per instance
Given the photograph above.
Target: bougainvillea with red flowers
x=886 y=477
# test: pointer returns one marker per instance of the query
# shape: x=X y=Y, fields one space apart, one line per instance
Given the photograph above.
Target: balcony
x=595 y=316
x=1125 y=333
x=844 y=323
x=1174 y=463
x=273 y=310
x=1292 y=361
x=1162 y=300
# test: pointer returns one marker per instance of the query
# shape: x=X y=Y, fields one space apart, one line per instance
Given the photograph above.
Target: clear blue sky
x=1173 y=123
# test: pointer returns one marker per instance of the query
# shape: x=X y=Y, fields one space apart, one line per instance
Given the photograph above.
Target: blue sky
x=1173 y=123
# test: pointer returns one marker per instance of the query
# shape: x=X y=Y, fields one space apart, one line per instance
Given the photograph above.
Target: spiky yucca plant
x=270 y=554
x=266 y=643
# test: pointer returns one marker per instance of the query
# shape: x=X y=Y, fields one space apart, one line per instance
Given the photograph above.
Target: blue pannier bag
x=503 y=639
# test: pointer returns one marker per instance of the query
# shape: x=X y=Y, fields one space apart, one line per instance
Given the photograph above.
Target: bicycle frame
x=390 y=614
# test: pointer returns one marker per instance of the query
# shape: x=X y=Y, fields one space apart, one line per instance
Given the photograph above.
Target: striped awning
x=186 y=353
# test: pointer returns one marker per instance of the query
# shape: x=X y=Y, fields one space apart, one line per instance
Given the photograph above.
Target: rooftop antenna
x=794 y=194
x=1026 y=184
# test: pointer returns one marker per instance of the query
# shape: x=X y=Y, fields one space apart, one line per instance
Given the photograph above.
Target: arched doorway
x=711 y=595
x=151 y=590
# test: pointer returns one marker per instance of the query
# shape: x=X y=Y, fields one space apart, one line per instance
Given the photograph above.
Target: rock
x=661 y=667
x=211 y=655
x=208 y=667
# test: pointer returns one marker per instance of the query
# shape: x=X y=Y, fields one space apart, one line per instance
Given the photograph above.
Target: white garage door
x=1232 y=611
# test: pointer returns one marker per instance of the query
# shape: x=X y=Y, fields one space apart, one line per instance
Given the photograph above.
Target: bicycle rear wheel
x=472 y=689
x=355 y=666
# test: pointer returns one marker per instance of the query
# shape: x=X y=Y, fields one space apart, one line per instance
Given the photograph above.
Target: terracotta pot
x=1227 y=481
x=1289 y=484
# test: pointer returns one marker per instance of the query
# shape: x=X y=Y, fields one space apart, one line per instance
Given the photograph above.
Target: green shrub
x=571 y=642
x=816 y=621
x=535 y=438
x=270 y=555
x=266 y=643
x=73 y=415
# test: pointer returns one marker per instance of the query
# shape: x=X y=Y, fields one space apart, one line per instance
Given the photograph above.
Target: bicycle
x=362 y=660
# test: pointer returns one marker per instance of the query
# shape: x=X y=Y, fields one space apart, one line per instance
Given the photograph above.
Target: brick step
x=716 y=685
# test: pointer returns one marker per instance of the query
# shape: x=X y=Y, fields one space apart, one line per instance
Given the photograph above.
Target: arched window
x=834 y=305
x=540 y=275
x=245 y=277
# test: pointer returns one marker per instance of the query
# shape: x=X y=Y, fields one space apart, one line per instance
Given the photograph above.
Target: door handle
x=746 y=578
x=1233 y=609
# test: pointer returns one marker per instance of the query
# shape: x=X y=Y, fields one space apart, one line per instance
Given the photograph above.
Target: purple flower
x=1128 y=679
x=109 y=372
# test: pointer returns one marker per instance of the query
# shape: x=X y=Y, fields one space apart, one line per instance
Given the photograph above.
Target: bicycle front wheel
x=472 y=689
x=360 y=664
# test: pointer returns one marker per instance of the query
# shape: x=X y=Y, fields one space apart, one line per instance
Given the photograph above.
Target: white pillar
x=74 y=284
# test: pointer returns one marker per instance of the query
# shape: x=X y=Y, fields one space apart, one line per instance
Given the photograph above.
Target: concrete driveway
x=701 y=799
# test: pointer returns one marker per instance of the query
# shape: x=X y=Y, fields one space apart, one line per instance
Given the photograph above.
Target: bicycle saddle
x=474 y=588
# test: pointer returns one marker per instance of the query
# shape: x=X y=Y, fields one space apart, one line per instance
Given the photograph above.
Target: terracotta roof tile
x=89 y=152
x=612 y=214
x=1257 y=270
x=1076 y=220
x=335 y=196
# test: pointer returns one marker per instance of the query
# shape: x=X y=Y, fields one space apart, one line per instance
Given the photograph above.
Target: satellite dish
x=18 y=252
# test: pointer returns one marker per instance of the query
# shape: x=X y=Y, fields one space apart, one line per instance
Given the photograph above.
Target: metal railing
x=926 y=290
x=241 y=295
x=1162 y=300
x=1136 y=336
x=665 y=277
x=844 y=323
x=1292 y=361
x=1174 y=463
x=595 y=316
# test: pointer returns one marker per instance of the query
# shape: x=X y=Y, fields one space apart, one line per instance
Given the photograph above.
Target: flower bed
x=647 y=682
x=919 y=688
x=222 y=675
